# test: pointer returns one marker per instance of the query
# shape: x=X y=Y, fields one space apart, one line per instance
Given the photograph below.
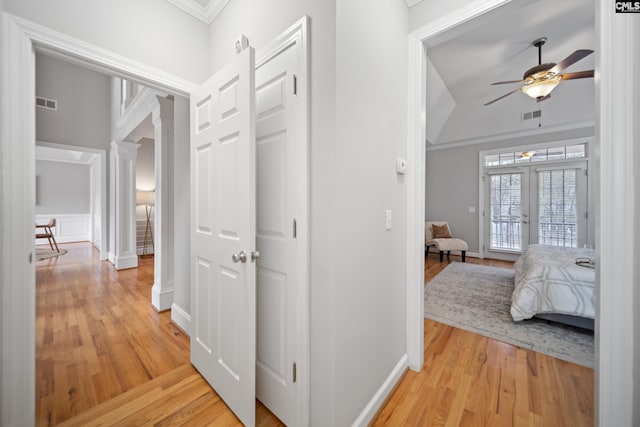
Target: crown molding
x=411 y=3
x=206 y=13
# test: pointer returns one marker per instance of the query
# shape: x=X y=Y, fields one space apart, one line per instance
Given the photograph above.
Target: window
x=560 y=152
x=557 y=208
x=534 y=196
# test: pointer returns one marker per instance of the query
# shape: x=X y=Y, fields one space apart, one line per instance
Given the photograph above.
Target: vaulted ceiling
x=498 y=47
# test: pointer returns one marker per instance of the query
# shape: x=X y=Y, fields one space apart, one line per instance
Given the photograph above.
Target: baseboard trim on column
x=124 y=262
x=161 y=299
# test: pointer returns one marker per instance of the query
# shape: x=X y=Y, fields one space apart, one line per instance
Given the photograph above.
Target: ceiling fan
x=541 y=79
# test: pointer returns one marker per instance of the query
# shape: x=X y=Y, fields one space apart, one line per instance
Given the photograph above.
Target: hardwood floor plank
x=104 y=356
x=472 y=380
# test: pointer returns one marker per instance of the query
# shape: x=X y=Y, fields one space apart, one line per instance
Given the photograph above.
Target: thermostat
x=401 y=166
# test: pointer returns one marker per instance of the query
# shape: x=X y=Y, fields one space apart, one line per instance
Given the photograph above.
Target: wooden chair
x=45 y=232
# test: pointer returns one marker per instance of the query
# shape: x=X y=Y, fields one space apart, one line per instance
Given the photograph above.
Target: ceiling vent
x=49 y=104
x=532 y=115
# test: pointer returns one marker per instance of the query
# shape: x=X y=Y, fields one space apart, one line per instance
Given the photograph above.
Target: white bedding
x=549 y=281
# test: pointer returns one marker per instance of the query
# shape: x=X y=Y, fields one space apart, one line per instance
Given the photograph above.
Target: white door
x=278 y=156
x=507 y=217
x=223 y=297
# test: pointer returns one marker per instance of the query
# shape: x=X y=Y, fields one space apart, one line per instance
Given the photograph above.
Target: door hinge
x=295 y=374
x=295 y=84
x=295 y=228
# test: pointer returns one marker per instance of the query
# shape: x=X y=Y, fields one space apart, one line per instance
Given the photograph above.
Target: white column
x=124 y=168
x=162 y=290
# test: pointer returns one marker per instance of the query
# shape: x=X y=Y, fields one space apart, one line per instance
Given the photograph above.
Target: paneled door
x=279 y=191
x=223 y=218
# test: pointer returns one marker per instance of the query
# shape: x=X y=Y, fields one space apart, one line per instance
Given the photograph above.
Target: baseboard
x=125 y=262
x=181 y=318
x=374 y=405
x=161 y=299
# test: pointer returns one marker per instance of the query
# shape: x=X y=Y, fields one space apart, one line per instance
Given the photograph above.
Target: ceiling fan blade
x=507 y=82
x=577 y=75
x=503 y=96
x=570 y=60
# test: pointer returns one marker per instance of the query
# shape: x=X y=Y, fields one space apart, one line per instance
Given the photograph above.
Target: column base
x=161 y=299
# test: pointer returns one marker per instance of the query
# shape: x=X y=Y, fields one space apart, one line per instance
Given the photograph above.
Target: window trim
x=483 y=247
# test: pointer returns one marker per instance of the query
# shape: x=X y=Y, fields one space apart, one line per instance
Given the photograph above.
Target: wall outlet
x=389 y=220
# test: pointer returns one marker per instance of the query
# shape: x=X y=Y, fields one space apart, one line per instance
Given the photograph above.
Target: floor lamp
x=146 y=198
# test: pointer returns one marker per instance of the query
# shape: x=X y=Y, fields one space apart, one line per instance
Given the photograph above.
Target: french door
x=544 y=204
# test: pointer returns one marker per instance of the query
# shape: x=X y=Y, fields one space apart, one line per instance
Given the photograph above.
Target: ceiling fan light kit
x=541 y=88
x=538 y=81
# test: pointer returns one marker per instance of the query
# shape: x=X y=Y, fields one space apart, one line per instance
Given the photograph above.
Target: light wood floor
x=470 y=380
x=105 y=357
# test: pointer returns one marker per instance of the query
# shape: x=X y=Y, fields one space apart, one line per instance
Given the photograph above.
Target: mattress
x=548 y=280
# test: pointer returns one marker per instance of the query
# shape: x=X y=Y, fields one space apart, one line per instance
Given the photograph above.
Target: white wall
x=370 y=262
x=153 y=32
x=62 y=188
x=429 y=10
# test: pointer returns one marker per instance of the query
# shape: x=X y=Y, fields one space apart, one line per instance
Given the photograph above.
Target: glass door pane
x=508 y=210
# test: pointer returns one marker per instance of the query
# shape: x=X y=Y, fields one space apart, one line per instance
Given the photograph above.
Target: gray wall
x=452 y=179
x=83 y=117
x=62 y=188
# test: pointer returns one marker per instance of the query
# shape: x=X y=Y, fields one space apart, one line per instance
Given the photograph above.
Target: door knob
x=242 y=257
x=255 y=255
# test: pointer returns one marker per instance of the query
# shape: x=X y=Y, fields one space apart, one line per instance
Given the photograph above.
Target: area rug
x=45 y=253
x=477 y=298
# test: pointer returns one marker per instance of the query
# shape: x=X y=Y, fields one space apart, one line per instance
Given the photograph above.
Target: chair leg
x=448 y=254
x=54 y=240
x=427 y=252
x=464 y=254
x=441 y=256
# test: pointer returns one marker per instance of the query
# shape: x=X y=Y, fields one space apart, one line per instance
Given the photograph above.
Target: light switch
x=401 y=166
x=472 y=209
x=389 y=220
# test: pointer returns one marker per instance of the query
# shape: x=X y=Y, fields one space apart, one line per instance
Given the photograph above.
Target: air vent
x=49 y=104
x=532 y=115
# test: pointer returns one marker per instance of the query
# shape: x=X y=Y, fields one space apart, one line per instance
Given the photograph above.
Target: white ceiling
x=498 y=47
x=207 y=10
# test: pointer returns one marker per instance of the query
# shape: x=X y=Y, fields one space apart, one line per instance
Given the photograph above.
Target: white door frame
x=20 y=39
x=617 y=102
x=99 y=162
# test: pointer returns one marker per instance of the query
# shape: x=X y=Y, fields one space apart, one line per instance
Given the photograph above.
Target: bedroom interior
x=520 y=166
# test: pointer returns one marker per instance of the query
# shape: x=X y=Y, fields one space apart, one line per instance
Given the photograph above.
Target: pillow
x=441 y=231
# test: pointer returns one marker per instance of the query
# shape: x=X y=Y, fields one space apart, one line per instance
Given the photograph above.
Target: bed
x=550 y=284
